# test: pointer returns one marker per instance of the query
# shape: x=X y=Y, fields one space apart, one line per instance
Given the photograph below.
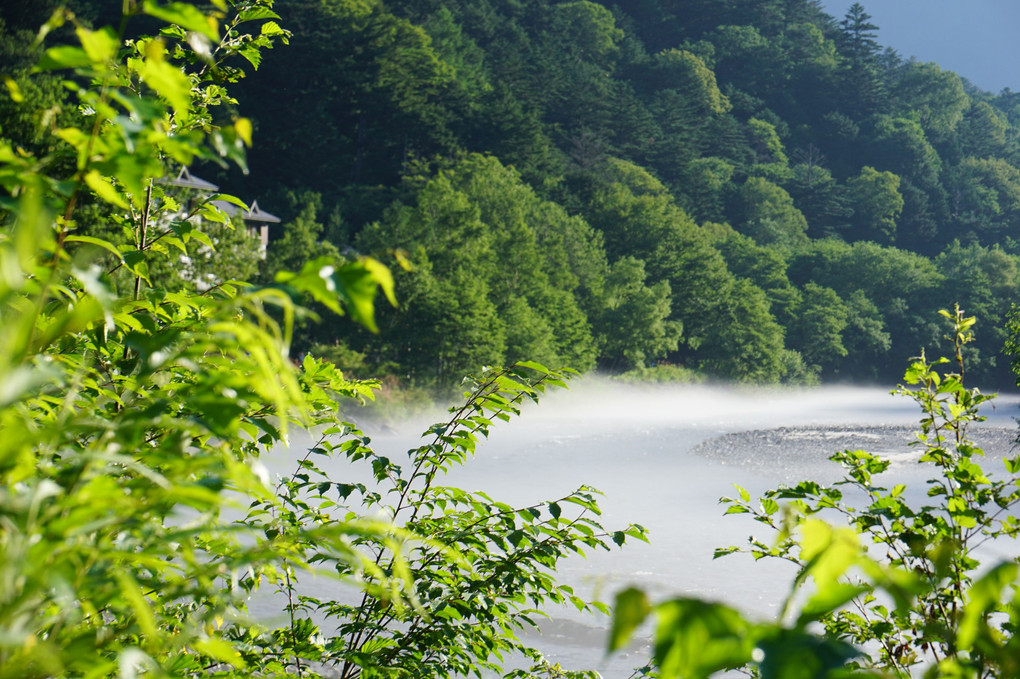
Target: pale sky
x=976 y=38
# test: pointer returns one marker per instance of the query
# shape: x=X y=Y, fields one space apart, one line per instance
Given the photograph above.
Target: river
x=663 y=457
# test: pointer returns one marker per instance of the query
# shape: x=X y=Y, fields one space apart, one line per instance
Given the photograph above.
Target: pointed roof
x=189 y=181
x=257 y=214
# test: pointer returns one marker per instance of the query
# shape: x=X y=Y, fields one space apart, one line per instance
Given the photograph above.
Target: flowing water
x=663 y=457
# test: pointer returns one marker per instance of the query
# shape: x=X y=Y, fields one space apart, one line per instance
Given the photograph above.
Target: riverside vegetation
x=133 y=418
x=134 y=410
x=884 y=588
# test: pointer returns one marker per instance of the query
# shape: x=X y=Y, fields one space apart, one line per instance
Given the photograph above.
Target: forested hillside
x=749 y=189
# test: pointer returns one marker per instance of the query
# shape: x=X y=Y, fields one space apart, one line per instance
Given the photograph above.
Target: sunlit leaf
x=63 y=57
x=184 y=15
x=985 y=596
x=100 y=45
x=105 y=189
x=106 y=245
x=219 y=650
x=244 y=129
x=168 y=81
x=13 y=89
x=629 y=611
x=695 y=639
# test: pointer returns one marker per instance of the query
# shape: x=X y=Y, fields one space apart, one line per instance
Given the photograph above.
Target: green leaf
x=105 y=189
x=233 y=200
x=144 y=615
x=256 y=13
x=244 y=129
x=13 y=90
x=382 y=276
x=516 y=537
x=184 y=15
x=696 y=638
x=101 y=45
x=357 y=282
x=537 y=367
x=213 y=214
x=63 y=57
x=315 y=279
x=629 y=611
x=252 y=53
x=106 y=245
x=828 y=552
x=449 y=613
x=168 y=81
x=219 y=650
x=829 y=598
x=134 y=260
x=984 y=597
x=271 y=28
x=795 y=653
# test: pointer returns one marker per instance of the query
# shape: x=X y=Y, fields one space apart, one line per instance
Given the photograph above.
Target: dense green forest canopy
x=749 y=189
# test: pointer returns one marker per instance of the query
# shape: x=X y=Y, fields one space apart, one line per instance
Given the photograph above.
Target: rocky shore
x=792 y=450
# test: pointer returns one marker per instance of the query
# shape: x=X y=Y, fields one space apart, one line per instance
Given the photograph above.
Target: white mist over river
x=663 y=456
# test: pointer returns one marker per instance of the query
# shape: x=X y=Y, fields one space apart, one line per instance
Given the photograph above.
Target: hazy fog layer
x=664 y=456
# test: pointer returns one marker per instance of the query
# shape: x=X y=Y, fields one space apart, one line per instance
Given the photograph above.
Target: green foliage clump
x=770 y=217
x=137 y=514
x=899 y=590
x=878 y=204
x=496 y=274
x=472 y=570
x=634 y=316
